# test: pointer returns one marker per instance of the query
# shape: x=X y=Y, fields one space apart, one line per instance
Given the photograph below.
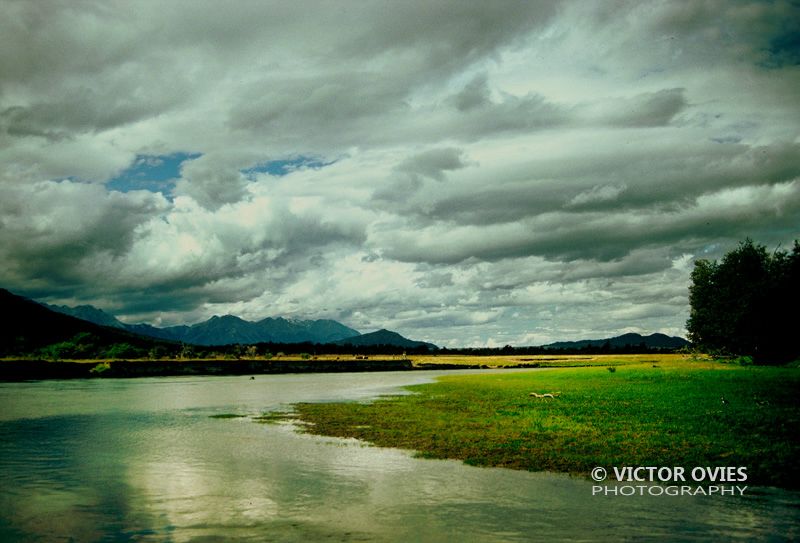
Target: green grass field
x=666 y=411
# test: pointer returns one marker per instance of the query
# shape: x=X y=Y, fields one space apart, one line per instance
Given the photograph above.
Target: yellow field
x=551 y=360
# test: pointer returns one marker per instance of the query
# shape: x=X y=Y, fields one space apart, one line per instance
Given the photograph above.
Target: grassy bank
x=663 y=412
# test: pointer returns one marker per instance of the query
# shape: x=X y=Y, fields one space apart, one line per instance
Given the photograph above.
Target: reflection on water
x=141 y=460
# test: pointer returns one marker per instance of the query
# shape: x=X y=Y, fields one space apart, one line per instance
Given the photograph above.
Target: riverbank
x=666 y=412
x=22 y=370
x=33 y=369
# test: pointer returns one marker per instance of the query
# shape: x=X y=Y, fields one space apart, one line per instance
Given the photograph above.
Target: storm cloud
x=464 y=173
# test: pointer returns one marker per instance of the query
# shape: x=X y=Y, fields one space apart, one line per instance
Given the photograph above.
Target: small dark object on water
x=611 y=369
x=252 y=378
x=656 y=366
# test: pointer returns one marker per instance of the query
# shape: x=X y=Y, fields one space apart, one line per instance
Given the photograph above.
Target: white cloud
x=598 y=193
x=487 y=173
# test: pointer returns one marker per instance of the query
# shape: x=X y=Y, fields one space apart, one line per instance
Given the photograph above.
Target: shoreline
x=35 y=370
x=28 y=370
x=21 y=369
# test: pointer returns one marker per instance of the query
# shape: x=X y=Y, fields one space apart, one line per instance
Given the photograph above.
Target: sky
x=465 y=173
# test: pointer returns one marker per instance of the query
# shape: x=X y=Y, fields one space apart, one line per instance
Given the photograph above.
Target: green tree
x=123 y=350
x=158 y=352
x=740 y=305
x=82 y=345
x=704 y=329
x=186 y=351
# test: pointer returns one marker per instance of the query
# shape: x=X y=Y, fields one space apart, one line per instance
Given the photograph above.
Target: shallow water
x=142 y=460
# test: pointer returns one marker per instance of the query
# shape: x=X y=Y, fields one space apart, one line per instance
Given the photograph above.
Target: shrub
x=124 y=350
x=100 y=368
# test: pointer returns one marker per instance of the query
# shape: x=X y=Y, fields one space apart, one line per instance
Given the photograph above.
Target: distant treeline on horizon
x=276 y=349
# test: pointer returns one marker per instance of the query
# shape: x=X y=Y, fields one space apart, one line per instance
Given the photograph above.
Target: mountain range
x=224 y=330
x=228 y=330
x=234 y=330
x=653 y=341
x=31 y=324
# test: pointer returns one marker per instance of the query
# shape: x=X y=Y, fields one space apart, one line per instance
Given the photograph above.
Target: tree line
x=88 y=346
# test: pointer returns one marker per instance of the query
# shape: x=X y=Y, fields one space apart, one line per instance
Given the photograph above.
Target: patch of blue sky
x=283 y=167
x=156 y=173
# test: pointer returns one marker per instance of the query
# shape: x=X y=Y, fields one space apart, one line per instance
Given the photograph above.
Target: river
x=144 y=460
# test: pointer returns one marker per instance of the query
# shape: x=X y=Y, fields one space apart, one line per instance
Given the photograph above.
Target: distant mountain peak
x=656 y=340
x=88 y=313
x=227 y=318
x=385 y=337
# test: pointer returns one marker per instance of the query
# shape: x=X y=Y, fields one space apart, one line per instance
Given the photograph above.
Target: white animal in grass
x=545 y=395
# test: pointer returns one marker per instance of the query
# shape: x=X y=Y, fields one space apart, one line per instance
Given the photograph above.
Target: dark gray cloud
x=649 y=109
x=410 y=175
x=84 y=109
x=764 y=32
x=618 y=179
x=604 y=235
x=475 y=94
x=433 y=163
x=484 y=173
x=50 y=232
x=212 y=182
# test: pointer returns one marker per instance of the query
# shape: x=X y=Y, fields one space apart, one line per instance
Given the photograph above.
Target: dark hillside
x=385 y=337
x=29 y=326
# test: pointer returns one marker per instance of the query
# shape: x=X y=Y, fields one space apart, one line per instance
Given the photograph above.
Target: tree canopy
x=747 y=303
